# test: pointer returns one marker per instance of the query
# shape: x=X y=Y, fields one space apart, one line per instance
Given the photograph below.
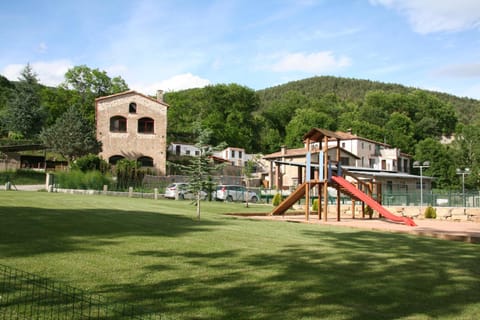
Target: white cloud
x=468 y=70
x=322 y=61
x=429 y=16
x=50 y=73
x=175 y=83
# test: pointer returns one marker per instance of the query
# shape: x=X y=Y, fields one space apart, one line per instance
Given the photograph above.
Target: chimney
x=283 y=150
x=160 y=95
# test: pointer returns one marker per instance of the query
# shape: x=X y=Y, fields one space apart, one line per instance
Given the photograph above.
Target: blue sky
x=178 y=44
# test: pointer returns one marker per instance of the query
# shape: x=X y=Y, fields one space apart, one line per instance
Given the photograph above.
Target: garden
x=155 y=255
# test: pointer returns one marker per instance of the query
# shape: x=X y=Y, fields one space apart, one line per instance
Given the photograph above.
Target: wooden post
x=319 y=209
x=325 y=177
x=353 y=209
x=307 y=189
x=338 y=204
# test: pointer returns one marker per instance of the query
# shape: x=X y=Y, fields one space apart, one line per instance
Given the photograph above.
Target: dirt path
x=450 y=230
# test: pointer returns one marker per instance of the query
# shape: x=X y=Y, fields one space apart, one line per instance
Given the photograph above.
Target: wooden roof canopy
x=317 y=135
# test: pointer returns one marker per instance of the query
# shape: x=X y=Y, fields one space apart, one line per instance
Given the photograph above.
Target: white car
x=183 y=193
x=234 y=193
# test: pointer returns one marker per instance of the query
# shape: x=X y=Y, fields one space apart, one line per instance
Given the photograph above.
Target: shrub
x=369 y=211
x=76 y=179
x=277 y=198
x=430 y=213
x=22 y=176
x=90 y=162
x=129 y=174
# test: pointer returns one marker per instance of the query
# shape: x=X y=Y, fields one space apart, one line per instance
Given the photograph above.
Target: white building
x=373 y=154
x=183 y=149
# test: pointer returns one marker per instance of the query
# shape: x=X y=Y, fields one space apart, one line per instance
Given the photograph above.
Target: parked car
x=183 y=191
x=234 y=193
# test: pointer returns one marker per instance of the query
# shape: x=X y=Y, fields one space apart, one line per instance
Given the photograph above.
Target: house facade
x=373 y=154
x=236 y=156
x=183 y=149
x=133 y=126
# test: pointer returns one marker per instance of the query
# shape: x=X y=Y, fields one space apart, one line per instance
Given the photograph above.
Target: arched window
x=146 y=161
x=132 y=107
x=114 y=159
x=118 y=124
x=145 y=125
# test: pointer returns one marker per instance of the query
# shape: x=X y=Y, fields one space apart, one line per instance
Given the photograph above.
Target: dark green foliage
x=129 y=174
x=442 y=162
x=369 y=211
x=6 y=93
x=430 y=213
x=277 y=199
x=226 y=110
x=72 y=136
x=76 y=179
x=21 y=177
x=23 y=115
x=304 y=120
x=90 y=162
x=89 y=84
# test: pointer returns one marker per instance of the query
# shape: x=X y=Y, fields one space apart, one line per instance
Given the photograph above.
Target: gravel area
x=449 y=230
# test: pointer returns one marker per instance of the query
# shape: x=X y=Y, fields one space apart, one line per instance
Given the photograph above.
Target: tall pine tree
x=24 y=115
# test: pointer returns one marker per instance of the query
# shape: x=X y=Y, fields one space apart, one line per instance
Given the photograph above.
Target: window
x=197 y=153
x=343 y=145
x=146 y=161
x=118 y=124
x=233 y=153
x=345 y=161
x=114 y=159
x=145 y=125
x=240 y=154
x=132 y=107
x=178 y=150
x=187 y=152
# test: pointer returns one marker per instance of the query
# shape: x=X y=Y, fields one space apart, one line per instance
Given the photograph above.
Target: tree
x=72 y=136
x=304 y=120
x=442 y=161
x=89 y=85
x=467 y=147
x=6 y=91
x=24 y=115
x=399 y=132
x=201 y=168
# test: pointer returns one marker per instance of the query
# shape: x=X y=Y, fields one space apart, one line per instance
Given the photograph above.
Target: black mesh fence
x=27 y=296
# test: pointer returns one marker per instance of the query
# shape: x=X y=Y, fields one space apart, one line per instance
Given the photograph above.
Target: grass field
x=155 y=255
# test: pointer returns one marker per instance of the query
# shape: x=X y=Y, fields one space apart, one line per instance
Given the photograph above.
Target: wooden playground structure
x=329 y=173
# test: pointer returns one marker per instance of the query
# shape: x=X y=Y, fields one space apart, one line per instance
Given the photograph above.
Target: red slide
x=371 y=202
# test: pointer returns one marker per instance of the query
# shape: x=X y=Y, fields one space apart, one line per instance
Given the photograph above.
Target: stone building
x=133 y=126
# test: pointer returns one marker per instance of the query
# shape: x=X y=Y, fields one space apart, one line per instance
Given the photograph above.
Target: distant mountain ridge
x=350 y=89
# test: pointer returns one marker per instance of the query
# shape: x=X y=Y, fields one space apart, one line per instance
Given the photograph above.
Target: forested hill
x=354 y=90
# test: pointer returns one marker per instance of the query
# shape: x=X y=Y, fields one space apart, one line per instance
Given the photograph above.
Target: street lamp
x=463 y=173
x=417 y=164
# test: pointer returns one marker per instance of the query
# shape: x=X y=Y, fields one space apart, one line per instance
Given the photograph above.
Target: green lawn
x=155 y=255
